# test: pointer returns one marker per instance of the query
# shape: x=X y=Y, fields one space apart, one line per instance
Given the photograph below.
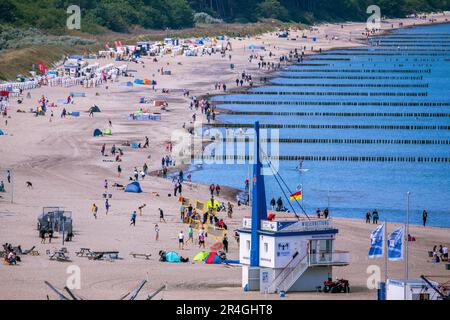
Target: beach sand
x=62 y=159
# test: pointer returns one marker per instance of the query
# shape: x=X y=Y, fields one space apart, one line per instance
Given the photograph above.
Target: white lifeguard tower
x=286 y=253
x=294 y=255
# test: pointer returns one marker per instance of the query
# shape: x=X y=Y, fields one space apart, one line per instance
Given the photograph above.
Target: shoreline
x=270 y=73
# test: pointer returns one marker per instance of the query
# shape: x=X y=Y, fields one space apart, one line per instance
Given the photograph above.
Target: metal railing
x=290 y=273
x=329 y=258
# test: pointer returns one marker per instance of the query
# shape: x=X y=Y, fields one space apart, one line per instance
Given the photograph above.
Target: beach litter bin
x=282 y=294
x=232 y=66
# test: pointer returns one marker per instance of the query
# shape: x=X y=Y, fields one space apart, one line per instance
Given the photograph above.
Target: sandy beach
x=62 y=160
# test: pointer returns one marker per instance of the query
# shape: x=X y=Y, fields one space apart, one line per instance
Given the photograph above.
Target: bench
x=140 y=255
x=59 y=256
x=84 y=252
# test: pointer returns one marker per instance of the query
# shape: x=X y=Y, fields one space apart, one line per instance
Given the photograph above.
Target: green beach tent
x=201 y=256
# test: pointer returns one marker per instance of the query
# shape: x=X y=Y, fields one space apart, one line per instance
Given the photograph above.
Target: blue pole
x=259 y=205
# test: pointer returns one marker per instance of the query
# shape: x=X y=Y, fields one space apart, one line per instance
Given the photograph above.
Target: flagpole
x=385 y=253
x=406 y=242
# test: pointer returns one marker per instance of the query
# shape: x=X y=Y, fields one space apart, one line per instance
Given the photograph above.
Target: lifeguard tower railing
x=326 y=258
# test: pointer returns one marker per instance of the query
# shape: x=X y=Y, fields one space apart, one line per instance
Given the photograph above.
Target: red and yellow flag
x=296 y=196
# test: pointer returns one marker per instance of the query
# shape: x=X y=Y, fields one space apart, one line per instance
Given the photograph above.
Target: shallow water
x=409 y=66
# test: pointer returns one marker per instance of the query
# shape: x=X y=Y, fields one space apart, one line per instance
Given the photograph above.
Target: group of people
x=374 y=217
x=277 y=205
x=322 y=213
x=440 y=254
x=117 y=153
x=10 y=256
x=214 y=188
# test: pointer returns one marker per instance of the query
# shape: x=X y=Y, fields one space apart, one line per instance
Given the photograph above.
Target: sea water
x=397 y=80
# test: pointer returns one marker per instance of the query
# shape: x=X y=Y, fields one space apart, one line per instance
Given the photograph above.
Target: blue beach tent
x=97 y=133
x=172 y=256
x=1 y=133
x=133 y=187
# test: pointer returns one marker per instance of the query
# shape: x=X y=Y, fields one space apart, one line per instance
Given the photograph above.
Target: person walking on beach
x=106 y=185
x=279 y=204
x=156 y=232
x=225 y=243
x=230 y=210
x=140 y=209
x=212 y=187
x=182 y=212
x=181 y=240
x=325 y=213
x=107 y=206
x=424 y=217
x=368 y=217
x=375 y=216
x=272 y=203
x=42 y=236
x=201 y=239
x=8 y=176
x=133 y=219
x=161 y=215
x=103 y=149
x=119 y=170
x=94 y=210
x=190 y=235
x=50 y=235
x=217 y=189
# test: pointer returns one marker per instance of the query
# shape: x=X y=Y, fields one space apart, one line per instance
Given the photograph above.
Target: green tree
x=272 y=9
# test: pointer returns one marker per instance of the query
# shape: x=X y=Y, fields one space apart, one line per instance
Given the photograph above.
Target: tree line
x=121 y=15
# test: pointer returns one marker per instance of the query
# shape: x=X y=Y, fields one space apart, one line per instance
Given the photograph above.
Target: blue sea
x=397 y=90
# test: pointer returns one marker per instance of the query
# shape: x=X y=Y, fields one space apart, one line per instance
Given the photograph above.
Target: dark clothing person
x=279 y=204
x=368 y=216
x=375 y=217
x=225 y=244
x=424 y=217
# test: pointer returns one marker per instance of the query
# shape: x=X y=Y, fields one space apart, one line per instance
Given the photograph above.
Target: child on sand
x=133 y=219
x=157 y=232
x=201 y=239
x=94 y=210
x=140 y=209
x=190 y=235
x=181 y=240
x=107 y=206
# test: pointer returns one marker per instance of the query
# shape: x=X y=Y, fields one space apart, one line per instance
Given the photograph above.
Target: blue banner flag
x=395 y=244
x=377 y=243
